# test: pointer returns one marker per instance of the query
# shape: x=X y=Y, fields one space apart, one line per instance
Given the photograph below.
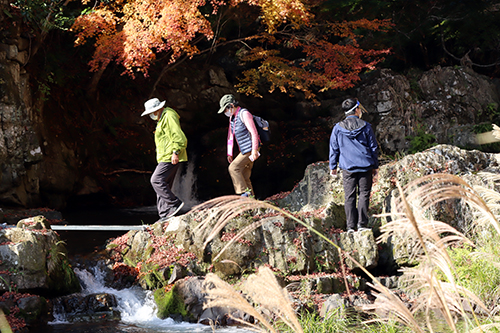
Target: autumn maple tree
x=291 y=50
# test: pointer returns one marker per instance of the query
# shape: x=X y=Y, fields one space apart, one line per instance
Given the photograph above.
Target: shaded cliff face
x=20 y=150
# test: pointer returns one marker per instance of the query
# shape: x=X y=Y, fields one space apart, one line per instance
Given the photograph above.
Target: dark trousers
x=162 y=180
x=357 y=184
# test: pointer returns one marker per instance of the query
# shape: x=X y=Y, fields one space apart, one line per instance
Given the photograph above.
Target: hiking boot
x=363 y=229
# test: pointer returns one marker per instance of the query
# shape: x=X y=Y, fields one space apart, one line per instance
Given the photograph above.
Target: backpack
x=262 y=126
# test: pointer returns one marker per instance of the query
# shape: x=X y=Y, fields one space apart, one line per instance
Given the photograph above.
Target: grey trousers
x=357 y=185
x=162 y=180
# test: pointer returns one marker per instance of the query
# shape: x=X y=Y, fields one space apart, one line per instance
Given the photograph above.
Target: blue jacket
x=353 y=146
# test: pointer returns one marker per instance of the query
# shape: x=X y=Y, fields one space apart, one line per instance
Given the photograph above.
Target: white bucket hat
x=152 y=105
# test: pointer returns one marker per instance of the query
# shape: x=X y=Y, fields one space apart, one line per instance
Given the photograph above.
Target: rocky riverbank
x=173 y=258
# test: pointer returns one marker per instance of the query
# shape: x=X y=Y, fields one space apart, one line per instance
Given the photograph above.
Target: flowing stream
x=137 y=309
x=136 y=306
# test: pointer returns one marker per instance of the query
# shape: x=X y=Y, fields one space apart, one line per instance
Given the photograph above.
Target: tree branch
x=465 y=57
x=124 y=170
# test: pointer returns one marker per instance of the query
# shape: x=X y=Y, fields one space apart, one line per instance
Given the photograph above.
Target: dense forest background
x=93 y=64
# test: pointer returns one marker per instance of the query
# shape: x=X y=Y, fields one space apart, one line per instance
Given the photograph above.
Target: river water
x=137 y=308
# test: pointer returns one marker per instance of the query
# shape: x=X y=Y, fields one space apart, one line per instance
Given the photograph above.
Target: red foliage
x=120 y=270
x=132 y=33
x=228 y=236
x=167 y=253
x=16 y=324
x=278 y=196
x=122 y=245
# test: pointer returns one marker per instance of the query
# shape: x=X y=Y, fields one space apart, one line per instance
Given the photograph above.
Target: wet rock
x=35 y=259
x=32 y=308
x=27 y=309
x=184 y=300
x=86 y=308
x=178 y=272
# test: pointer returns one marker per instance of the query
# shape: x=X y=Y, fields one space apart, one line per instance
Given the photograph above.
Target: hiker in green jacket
x=171 y=146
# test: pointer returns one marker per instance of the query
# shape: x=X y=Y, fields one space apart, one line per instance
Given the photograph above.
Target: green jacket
x=169 y=137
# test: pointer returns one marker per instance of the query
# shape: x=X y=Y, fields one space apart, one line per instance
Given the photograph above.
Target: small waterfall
x=136 y=306
x=184 y=185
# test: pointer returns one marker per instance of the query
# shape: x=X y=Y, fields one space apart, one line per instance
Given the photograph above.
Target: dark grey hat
x=225 y=101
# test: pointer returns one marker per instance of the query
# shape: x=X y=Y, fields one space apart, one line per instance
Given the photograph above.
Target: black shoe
x=163 y=219
x=177 y=209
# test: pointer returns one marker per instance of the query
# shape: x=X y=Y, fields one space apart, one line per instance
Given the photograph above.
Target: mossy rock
x=63 y=273
x=171 y=304
x=34 y=223
x=153 y=277
x=32 y=308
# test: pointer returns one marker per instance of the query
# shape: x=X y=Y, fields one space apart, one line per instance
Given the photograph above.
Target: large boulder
x=278 y=241
x=24 y=310
x=318 y=191
x=474 y=167
x=288 y=246
x=445 y=102
x=33 y=259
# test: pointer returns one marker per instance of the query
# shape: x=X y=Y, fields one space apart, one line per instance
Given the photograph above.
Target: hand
x=375 y=175
x=333 y=172
x=229 y=159
x=254 y=155
x=175 y=159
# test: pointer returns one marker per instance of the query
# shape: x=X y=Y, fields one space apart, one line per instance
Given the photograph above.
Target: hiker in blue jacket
x=354 y=149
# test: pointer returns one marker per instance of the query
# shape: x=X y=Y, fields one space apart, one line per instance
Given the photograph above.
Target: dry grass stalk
x=222 y=294
x=426 y=192
x=219 y=211
x=487 y=328
x=264 y=291
x=4 y=324
x=222 y=210
x=429 y=241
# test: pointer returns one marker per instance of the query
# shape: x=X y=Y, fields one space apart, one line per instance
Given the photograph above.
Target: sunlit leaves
x=329 y=62
x=277 y=12
x=133 y=32
x=321 y=55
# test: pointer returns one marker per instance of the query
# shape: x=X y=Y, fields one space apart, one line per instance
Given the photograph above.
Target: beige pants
x=240 y=170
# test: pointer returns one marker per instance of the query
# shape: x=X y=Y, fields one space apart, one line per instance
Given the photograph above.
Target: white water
x=184 y=186
x=137 y=308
